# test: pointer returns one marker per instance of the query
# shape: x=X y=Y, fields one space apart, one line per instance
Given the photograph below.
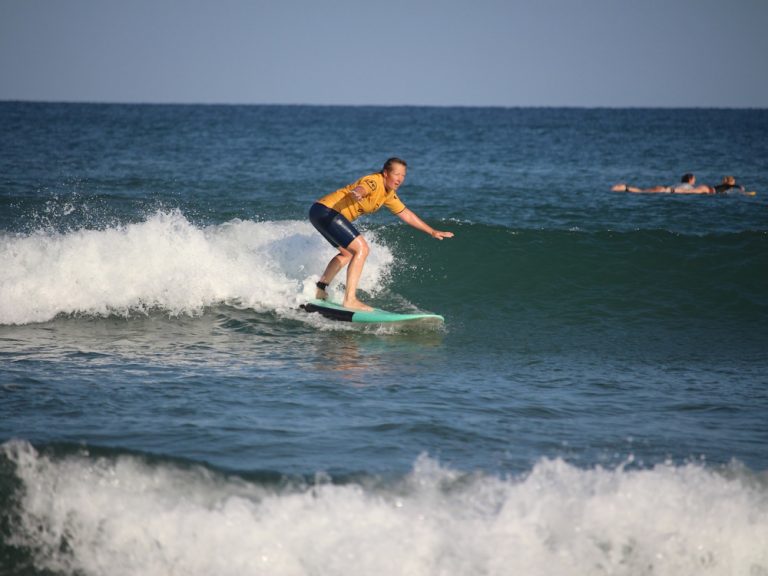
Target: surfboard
x=375 y=316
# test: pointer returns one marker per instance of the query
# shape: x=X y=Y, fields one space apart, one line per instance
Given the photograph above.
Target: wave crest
x=166 y=263
x=124 y=515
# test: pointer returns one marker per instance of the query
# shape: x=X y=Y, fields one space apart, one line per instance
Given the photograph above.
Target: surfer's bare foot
x=357 y=305
x=321 y=294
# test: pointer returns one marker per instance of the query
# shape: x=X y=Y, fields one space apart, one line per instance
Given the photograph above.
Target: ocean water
x=595 y=403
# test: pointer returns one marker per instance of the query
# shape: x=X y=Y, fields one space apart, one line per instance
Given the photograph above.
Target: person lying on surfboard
x=687 y=185
x=729 y=183
x=333 y=214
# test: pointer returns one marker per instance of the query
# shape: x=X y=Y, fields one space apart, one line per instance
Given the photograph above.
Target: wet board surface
x=375 y=316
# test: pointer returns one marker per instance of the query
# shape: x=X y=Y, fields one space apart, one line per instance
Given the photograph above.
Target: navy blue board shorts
x=333 y=226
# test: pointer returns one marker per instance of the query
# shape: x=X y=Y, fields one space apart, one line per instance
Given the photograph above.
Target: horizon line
x=314 y=105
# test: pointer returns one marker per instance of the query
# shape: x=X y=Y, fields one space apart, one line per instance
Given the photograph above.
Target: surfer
x=333 y=214
x=729 y=183
x=687 y=185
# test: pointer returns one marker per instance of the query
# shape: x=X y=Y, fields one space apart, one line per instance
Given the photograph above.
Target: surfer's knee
x=358 y=247
x=344 y=257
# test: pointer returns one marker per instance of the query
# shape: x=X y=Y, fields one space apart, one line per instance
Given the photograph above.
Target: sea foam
x=167 y=263
x=123 y=515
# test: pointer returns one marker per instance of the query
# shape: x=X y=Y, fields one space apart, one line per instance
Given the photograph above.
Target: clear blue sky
x=420 y=52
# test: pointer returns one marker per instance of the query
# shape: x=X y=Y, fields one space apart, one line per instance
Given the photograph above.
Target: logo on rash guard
x=371 y=184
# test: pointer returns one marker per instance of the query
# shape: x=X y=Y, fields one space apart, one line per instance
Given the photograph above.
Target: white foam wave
x=167 y=263
x=123 y=516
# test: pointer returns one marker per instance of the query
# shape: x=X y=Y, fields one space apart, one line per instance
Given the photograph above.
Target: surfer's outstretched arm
x=411 y=219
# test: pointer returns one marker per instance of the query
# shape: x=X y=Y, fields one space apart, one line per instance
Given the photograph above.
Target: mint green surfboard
x=375 y=316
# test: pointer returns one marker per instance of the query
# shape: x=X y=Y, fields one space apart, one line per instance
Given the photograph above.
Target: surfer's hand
x=358 y=193
x=438 y=235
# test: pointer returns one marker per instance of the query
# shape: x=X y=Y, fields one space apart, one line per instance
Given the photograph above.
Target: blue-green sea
x=595 y=403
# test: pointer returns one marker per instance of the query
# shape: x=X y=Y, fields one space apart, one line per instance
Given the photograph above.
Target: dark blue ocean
x=596 y=402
